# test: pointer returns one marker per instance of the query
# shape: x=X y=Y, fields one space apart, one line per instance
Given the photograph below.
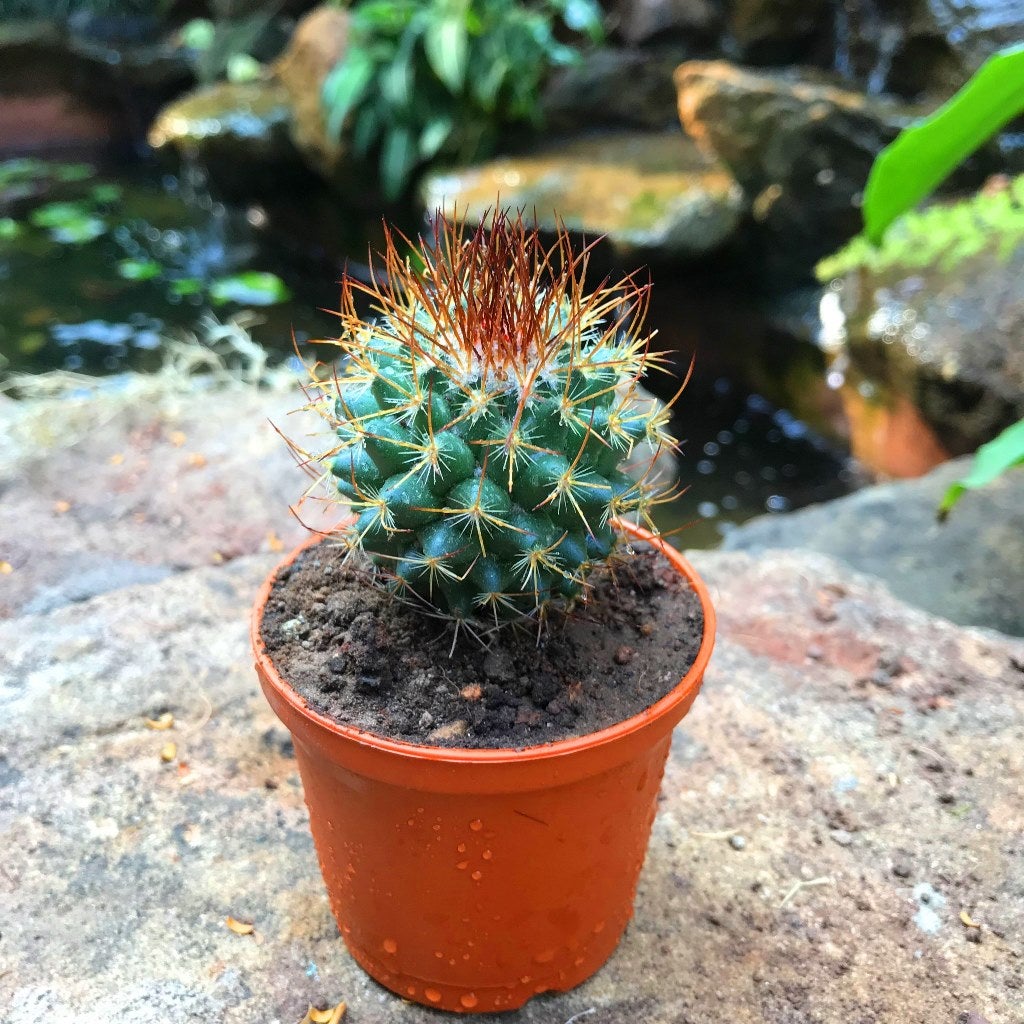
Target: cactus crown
x=486 y=418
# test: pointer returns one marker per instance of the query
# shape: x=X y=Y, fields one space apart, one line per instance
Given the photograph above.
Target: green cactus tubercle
x=485 y=420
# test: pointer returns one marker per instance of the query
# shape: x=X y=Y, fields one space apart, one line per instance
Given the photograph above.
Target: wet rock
x=800 y=148
x=640 y=21
x=943 y=42
x=775 y=31
x=616 y=87
x=933 y=323
x=969 y=569
x=316 y=46
x=239 y=132
x=652 y=195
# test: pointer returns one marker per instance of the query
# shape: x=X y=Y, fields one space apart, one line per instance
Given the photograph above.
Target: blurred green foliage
x=427 y=78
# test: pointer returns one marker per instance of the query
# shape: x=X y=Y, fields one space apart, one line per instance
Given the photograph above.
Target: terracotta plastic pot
x=471 y=880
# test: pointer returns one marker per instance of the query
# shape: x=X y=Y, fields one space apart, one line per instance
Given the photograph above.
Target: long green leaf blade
x=991 y=460
x=925 y=154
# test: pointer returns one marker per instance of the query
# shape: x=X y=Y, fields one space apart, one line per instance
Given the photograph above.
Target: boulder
x=316 y=46
x=933 y=319
x=778 y=31
x=847 y=783
x=640 y=21
x=801 y=148
x=239 y=132
x=652 y=195
x=939 y=44
x=615 y=86
x=969 y=569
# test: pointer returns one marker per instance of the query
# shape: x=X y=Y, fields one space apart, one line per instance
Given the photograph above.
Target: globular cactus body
x=485 y=418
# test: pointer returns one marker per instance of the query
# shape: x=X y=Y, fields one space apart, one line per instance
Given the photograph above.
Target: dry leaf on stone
x=240 y=927
x=161 y=722
x=168 y=752
x=967 y=921
x=177 y=438
x=62 y=506
x=274 y=542
x=197 y=460
x=116 y=459
x=330 y=1016
x=6 y=568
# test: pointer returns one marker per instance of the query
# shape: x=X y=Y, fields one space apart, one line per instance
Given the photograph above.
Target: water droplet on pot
x=462 y=865
x=390 y=946
x=410 y=991
x=438 y=954
x=487 y=855
x=545 y=956
x=477 y=875
x=432 y=994
x=468 y=1000
x=461 y=847
x=599 y=927
x=476 y=824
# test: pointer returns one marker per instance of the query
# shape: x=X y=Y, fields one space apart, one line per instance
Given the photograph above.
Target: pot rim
x=681 y=694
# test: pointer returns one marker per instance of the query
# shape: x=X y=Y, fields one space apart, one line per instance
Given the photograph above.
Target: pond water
x=97 y=269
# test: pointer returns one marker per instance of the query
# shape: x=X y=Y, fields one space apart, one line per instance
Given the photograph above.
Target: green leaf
x=197 y=34
x=398 y=157
x=55 y=215
x=990 y=461
x=139 y=270
x=73 y=172
x=185 y=286
x=344 y=87
x=9 y=228
x=250 y=288
x=924 y=155
x=584 y=16
x=106 y=193
x=243 y=68
x=434 y=136
x=446 y=43
x=79 y=230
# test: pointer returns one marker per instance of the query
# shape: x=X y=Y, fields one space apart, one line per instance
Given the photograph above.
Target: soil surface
x=360 y=656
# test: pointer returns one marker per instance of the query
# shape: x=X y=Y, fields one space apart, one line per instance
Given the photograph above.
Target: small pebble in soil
x=973 y=935
x=737 y=842
x=624 y=654
x=947 y=798
x=901 y=869
x=426 y=720
x=814 y=652
x=368 y=684
x=336 y=663
x=841 y=837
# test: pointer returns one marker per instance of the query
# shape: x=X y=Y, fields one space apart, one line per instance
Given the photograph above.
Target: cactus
x=486 y=416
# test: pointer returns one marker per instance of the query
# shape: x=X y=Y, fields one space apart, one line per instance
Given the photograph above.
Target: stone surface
x=778 y=30
x=944 y=339
x=801 y=149
x=640 y=21
x=98 y=494
x=236 y=131
x=318 y=43
x=969 y=569
x=652 y=195
x=614 y=86
x=830 y=708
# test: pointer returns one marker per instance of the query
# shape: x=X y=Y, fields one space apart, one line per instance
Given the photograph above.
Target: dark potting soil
x=360 y=656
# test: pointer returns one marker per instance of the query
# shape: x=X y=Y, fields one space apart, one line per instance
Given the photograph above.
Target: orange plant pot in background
x=471 y=880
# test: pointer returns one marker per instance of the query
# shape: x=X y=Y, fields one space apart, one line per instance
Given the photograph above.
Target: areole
x=468 y=879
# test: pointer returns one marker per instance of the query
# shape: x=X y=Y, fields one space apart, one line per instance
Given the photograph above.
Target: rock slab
x=652 y=195
x=969 y=569
x=839 y=835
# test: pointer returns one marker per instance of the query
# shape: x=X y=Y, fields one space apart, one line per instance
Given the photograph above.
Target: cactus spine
x=485 y=418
